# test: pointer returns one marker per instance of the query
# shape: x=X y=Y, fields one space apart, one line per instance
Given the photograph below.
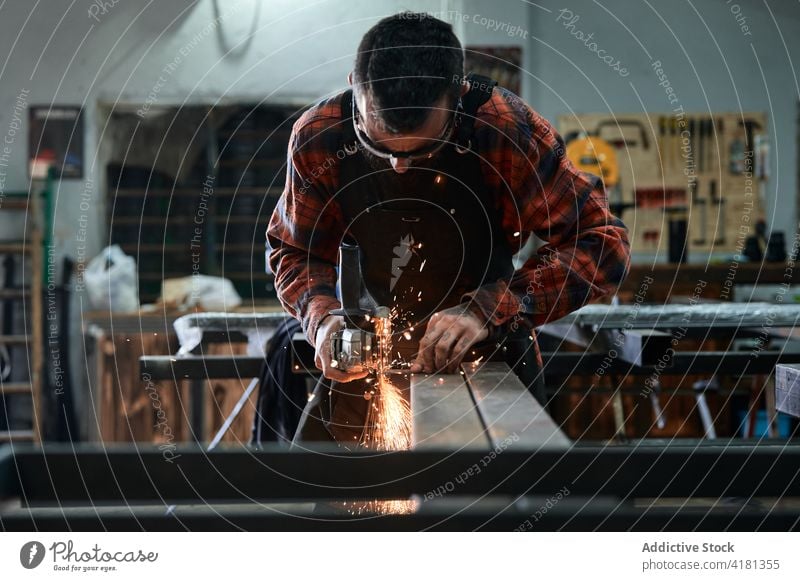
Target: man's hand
x=322 y=354
x=447 y=339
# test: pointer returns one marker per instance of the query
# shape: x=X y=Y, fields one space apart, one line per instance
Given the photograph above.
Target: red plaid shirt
x=537 y=189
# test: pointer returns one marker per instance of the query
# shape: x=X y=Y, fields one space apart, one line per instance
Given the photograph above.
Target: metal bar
x=555 y=364
x=444 y=414
x=682 y=363
x=787 y=389
x=226 y=322
x=712 y=315
x=17 y=435
x=508 y=409
x=234 y=414
x=566 y=515
x=190 y=474
x=200 y=366
x=15 y=388
x=716 y=315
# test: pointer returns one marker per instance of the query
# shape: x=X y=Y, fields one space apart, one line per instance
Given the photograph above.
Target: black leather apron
x=427 y=236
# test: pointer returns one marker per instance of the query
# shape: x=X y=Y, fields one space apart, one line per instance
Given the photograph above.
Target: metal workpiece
x=444 y=414
x=509 y=411
x=486 y=406
x=556 y=364
x=157 y=367
x=717 y=315
x=224 y=322
x=257 y=328
x=787 y=389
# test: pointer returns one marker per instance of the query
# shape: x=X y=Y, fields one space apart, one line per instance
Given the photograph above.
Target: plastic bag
x=112 y=281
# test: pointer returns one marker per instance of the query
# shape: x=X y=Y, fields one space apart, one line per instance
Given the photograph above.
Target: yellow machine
x=594 y=155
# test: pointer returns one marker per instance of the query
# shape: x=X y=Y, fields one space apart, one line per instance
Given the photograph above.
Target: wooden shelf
x=14 y=293
x=15 y=247
x=15 y=388
x=14 y=203
x=15 y=435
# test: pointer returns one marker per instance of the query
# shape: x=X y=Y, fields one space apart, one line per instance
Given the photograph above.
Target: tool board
x=710 y=169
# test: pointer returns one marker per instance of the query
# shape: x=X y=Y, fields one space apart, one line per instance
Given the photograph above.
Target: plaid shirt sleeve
x=306 y=227
x=536 y=188
x=539 y=191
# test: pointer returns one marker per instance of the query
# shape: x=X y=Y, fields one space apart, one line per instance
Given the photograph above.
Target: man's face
x=433 y=130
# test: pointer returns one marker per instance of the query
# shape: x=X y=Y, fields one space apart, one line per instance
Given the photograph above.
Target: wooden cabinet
x=127 y=407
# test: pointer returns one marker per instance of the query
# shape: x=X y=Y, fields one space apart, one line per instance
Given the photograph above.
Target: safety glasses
x=425 y=152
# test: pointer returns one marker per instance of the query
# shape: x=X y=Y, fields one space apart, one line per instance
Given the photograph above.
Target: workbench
x=122 y=401
x=485 y=456
x=645 y=341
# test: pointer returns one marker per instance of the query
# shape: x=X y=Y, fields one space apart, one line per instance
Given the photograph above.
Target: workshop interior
x=173 y=274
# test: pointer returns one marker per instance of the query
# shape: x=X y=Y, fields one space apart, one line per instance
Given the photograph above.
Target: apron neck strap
x=480 y=91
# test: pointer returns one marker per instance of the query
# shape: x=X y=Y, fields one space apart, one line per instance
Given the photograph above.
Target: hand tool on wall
x=718 y=131
x=698 y=206
x=719 y=201
x=691 y=127
x=662 y=144
x=621 y=141
x=762 y=150
x=701 y=142
x=675 y=145
x=736 y=154
x=750 y=126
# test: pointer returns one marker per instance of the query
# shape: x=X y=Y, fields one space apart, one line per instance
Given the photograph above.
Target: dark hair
x=407 y=62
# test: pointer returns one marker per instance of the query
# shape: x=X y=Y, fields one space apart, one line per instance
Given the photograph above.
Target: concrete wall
x=718 y=55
